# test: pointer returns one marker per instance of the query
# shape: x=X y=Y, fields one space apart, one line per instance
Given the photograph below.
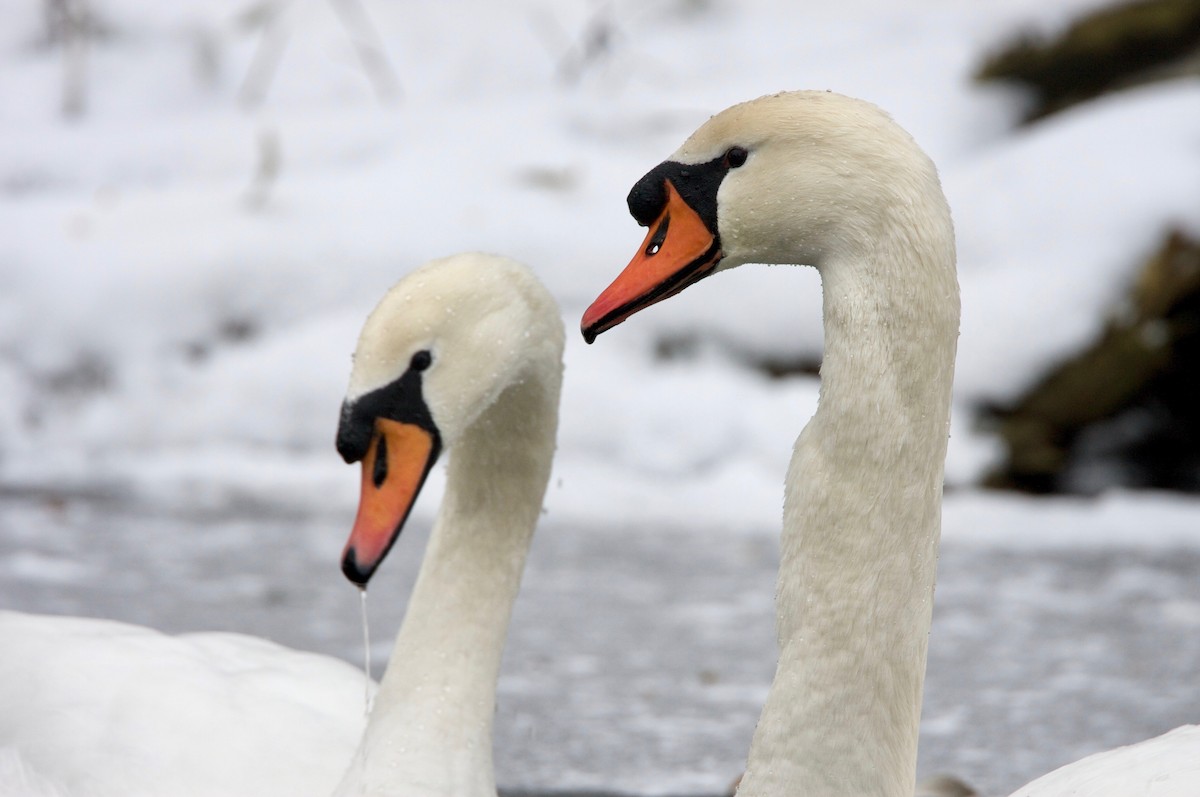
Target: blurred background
x=200 y=202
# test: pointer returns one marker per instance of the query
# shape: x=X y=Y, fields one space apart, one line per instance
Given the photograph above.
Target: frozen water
x=639 y=657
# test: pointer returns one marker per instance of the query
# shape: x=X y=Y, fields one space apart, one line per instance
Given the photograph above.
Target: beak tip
x=597 y=319
x=590 y=326
x=357 y=573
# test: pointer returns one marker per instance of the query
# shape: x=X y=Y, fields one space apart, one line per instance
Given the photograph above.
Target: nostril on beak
x=660 y=236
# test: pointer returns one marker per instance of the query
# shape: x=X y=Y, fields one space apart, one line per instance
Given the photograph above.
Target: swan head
x=788 y=178
x=437 y=351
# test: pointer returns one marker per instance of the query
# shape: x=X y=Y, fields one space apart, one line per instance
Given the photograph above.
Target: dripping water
x=368 y=700
x=360 y=759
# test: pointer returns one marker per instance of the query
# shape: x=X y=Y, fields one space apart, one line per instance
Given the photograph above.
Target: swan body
x=825 y=180
x=1165 y=766
x=95 y=708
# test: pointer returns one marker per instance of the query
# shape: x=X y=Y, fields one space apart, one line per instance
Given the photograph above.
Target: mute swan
x=465 y=353
x=826 y=180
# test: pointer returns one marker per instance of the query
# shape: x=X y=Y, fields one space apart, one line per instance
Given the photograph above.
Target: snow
x=175 y=335
x=159 y=325
x=1068 y=207
x=1122 y=521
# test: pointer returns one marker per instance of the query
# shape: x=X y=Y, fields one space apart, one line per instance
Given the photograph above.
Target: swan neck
x=431 y=726
x=862 y=520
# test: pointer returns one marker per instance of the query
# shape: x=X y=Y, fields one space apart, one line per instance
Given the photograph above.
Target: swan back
x=1165 y=766
x=99 y=708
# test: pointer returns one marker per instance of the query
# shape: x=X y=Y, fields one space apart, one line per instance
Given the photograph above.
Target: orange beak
x=393 y=471
x=679 y=250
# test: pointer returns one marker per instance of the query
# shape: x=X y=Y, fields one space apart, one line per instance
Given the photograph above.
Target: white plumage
x=94 y=708
x=825 y=180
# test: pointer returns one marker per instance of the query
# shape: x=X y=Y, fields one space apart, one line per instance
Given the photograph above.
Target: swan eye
x=421 y=360
x=736 y=156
